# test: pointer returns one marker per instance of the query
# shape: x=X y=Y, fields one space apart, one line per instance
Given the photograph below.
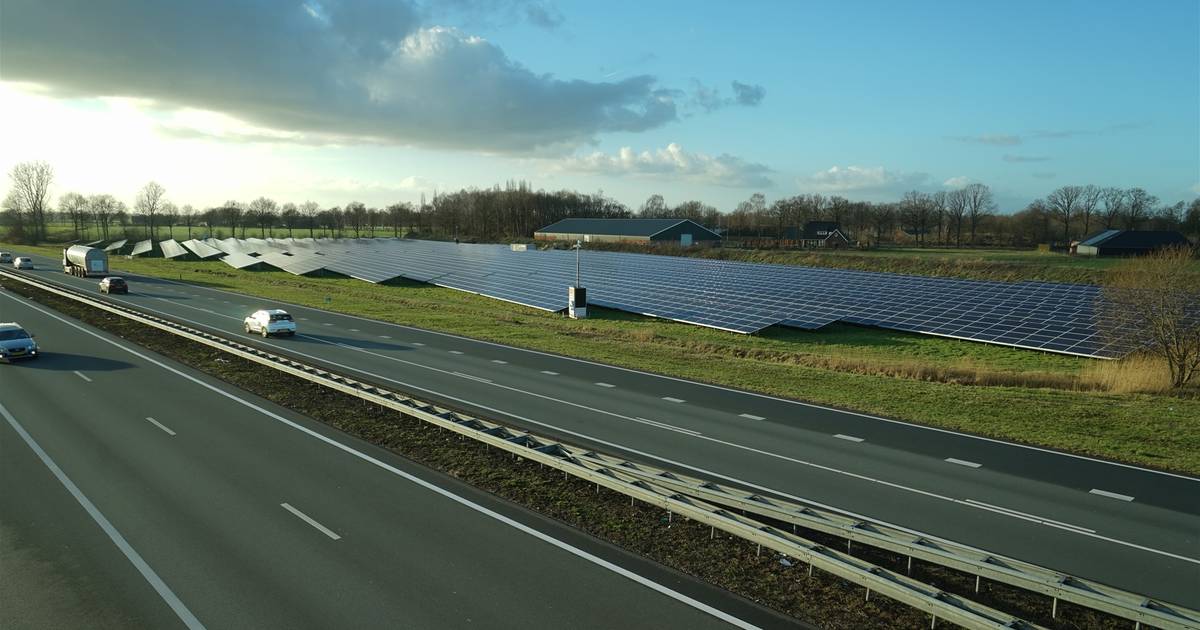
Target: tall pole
x=577 y=248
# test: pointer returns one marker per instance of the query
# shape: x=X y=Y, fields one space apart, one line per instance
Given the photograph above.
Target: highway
x=141 y=493
x=1130 y=527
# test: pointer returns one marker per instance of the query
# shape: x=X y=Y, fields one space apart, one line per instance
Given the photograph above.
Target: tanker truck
x=83 y=261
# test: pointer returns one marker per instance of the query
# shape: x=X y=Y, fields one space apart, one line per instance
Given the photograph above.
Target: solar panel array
x=733 y=296
x=112 y=247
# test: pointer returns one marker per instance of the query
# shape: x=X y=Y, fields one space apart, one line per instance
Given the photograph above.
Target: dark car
x=114 y=284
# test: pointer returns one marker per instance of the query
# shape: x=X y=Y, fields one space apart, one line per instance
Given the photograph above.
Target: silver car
x=15 y=343
x=23 y=262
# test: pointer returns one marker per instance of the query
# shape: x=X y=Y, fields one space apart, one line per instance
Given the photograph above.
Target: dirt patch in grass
x=780 y=583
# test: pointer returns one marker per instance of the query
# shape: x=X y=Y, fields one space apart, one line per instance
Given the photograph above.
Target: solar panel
x=202 y=249
x=239 y=261
x=93 y=243
x=298 y=264
x=112 y=247
x=171 y=248
x=142 y=247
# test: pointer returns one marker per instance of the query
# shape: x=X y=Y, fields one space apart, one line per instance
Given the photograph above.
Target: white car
x=22 y=262
x=271 y=322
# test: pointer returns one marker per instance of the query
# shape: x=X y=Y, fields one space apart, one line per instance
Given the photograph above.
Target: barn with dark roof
x=1129 y=242
x=682 y=232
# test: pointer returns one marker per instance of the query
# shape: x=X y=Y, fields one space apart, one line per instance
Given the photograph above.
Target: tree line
x=962 y=217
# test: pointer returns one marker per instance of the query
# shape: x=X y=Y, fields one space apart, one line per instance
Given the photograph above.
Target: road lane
x=792 y=451
x=204 y=509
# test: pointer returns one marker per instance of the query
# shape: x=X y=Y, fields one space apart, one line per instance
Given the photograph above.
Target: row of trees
x=966 y=216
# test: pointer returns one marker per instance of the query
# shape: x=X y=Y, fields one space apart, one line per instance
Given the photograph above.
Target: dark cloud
x=348 y=69
x=1025 y=158
x=748 y=95
x=995 y=139
x=710 y=99
x=544 y=16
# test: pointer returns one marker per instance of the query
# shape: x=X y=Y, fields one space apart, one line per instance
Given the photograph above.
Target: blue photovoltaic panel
x=734 y=296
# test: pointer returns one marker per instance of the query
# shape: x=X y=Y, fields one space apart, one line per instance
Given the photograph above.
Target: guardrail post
x=910 y=565
x=1054 y=609
x=932 y=621
x=868 y=597
x=976 y=583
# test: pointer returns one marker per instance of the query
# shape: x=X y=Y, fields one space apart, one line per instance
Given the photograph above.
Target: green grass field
x=996 y=391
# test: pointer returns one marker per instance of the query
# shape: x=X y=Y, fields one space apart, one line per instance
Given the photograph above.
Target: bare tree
x=979 y=205
x=956 y=208
x=262 y=211
x=150 y=203
x=30 y=195
x=915 y=211
x=1153 y=303
x=1138 y=204
x=310 y=210
x=1089 y=202
x=1064 y=204
x=1114 y=207
x=75 y=206
x=356 y=214
x=290 y=216
x=104 y=209
x=188 y=216
x=170 y=216
x=937 y=202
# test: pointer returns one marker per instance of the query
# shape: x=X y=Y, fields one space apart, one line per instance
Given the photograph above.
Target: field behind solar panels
x=975 y=387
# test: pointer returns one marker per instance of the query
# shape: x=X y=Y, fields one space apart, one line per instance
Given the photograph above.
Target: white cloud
x=321 y=71
x=672 y=162
x=1196 y=188
x=841 y=179
x=958 y=182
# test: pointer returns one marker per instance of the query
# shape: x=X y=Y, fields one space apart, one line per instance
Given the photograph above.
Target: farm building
x=682 y=232
x=820 y=234
x=1128 y=242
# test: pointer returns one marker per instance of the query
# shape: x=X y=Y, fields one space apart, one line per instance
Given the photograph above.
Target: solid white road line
x=848 y=438
x=750 y=416
x=1111 y=495
x=164 y=591
x=308 y=519
x=160 y=425
x=674 y=400
x=963 y=462
x=568 y=548
x=609 y=385
x=1027 y=516
x=473 y=378
x=549 y=373
x=628 y=449
x=669 y=427
x=193 y=289
x=82 y=376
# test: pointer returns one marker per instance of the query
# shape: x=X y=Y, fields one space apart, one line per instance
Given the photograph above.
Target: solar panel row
x=734 y=296
x=171 y=248
x=142 y=247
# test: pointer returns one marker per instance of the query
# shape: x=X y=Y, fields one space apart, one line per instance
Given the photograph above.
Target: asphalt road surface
x=140 y=493
x=1130 y=527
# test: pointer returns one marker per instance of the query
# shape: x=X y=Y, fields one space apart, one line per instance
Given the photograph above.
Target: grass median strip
x=777 y=582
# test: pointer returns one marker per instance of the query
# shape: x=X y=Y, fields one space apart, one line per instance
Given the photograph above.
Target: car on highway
x=16 y=343
x=6 y=257
x=271 y=322
x=23 y=262
x=114 y=284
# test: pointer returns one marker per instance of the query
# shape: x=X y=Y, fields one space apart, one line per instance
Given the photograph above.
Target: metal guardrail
x=708 y=502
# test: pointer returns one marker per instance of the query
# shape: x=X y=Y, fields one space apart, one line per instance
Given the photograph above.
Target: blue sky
x=862 y=99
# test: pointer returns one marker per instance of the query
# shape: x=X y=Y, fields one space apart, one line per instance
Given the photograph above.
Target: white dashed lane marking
x=160 y=425
x=82 y=376
x=499 y=362
x=1111 y=495
x=750 y=416
x=549 y=373
x=456 y=352
x=674 y=400
x=308 y=519
x=848 y=438
x=604 y=385
x=963 y=462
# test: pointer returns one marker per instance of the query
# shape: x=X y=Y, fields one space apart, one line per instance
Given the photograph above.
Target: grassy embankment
x=1039 y=398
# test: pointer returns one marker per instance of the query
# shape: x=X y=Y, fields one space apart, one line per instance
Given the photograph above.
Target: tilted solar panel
x=171 y=248
x=142 y=247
